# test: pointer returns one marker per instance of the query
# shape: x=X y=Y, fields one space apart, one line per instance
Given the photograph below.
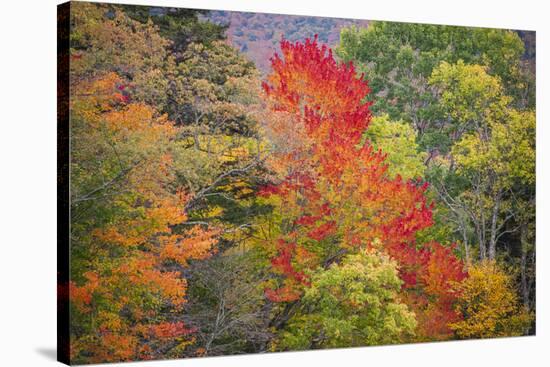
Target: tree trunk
x=481 y=240
x=523 y=266
x=494 y=218
x=280 y=320
x=466 y=245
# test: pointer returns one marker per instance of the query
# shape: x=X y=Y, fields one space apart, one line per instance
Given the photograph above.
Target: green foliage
x=181 y=26
x=210 y=86
x=354 y=303
x=508 y=154
x=398 y=59
x=207 y=220
x=468 y=96
x=492 y=163
x=104 y=41
x=398 y=140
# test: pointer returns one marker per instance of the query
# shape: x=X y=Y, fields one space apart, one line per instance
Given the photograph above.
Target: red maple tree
x=336 y=187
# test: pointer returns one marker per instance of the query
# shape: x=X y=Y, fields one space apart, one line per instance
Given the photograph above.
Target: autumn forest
x=370 y=183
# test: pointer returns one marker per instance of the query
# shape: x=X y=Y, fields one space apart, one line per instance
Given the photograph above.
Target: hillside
x=258 y=35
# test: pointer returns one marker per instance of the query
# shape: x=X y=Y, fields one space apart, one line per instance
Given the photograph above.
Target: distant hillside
x=258 y=35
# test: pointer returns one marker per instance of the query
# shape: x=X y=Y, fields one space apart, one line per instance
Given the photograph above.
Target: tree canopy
x=383 y=193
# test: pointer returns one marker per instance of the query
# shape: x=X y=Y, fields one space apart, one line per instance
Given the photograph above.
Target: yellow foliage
x=489 y=305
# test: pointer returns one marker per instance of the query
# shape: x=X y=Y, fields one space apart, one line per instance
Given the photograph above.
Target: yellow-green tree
x=354 y=303
x=397 y=140
x=469 y=96
x=105 y=39
x=493 y=159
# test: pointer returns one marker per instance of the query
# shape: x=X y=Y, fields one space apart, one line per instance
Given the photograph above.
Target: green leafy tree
x=209 y=86
x=398 y=59
x=497 y=166
x=468 y=97
x=354 y=303
x=398 y=140
x=493 y=159
x=103 y=40
x=181 y=26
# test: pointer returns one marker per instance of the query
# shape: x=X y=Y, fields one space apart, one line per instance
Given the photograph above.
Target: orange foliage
x=82 y=296
x=335 y=184
x=167 y=330
x=133 y=283
x=197 y=243
x=157 y=218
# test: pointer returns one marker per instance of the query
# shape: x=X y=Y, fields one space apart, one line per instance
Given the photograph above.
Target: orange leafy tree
x=127 y=286
x=333 y=193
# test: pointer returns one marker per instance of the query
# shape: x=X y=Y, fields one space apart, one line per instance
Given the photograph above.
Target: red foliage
x=339 y=185
x=168 y=330
x=284 y=294
x=307 y=220
x=321 y=232
x=282 y=262
x=122 y=98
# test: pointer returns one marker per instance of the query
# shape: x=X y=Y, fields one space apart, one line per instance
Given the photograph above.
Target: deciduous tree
x=490 y=304
x=335 y=195
x=127 y=260
x=354 y=303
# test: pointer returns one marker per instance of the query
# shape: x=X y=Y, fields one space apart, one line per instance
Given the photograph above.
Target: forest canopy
x=376 y=191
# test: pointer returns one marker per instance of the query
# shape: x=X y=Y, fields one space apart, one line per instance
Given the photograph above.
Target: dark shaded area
x=63 y=202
